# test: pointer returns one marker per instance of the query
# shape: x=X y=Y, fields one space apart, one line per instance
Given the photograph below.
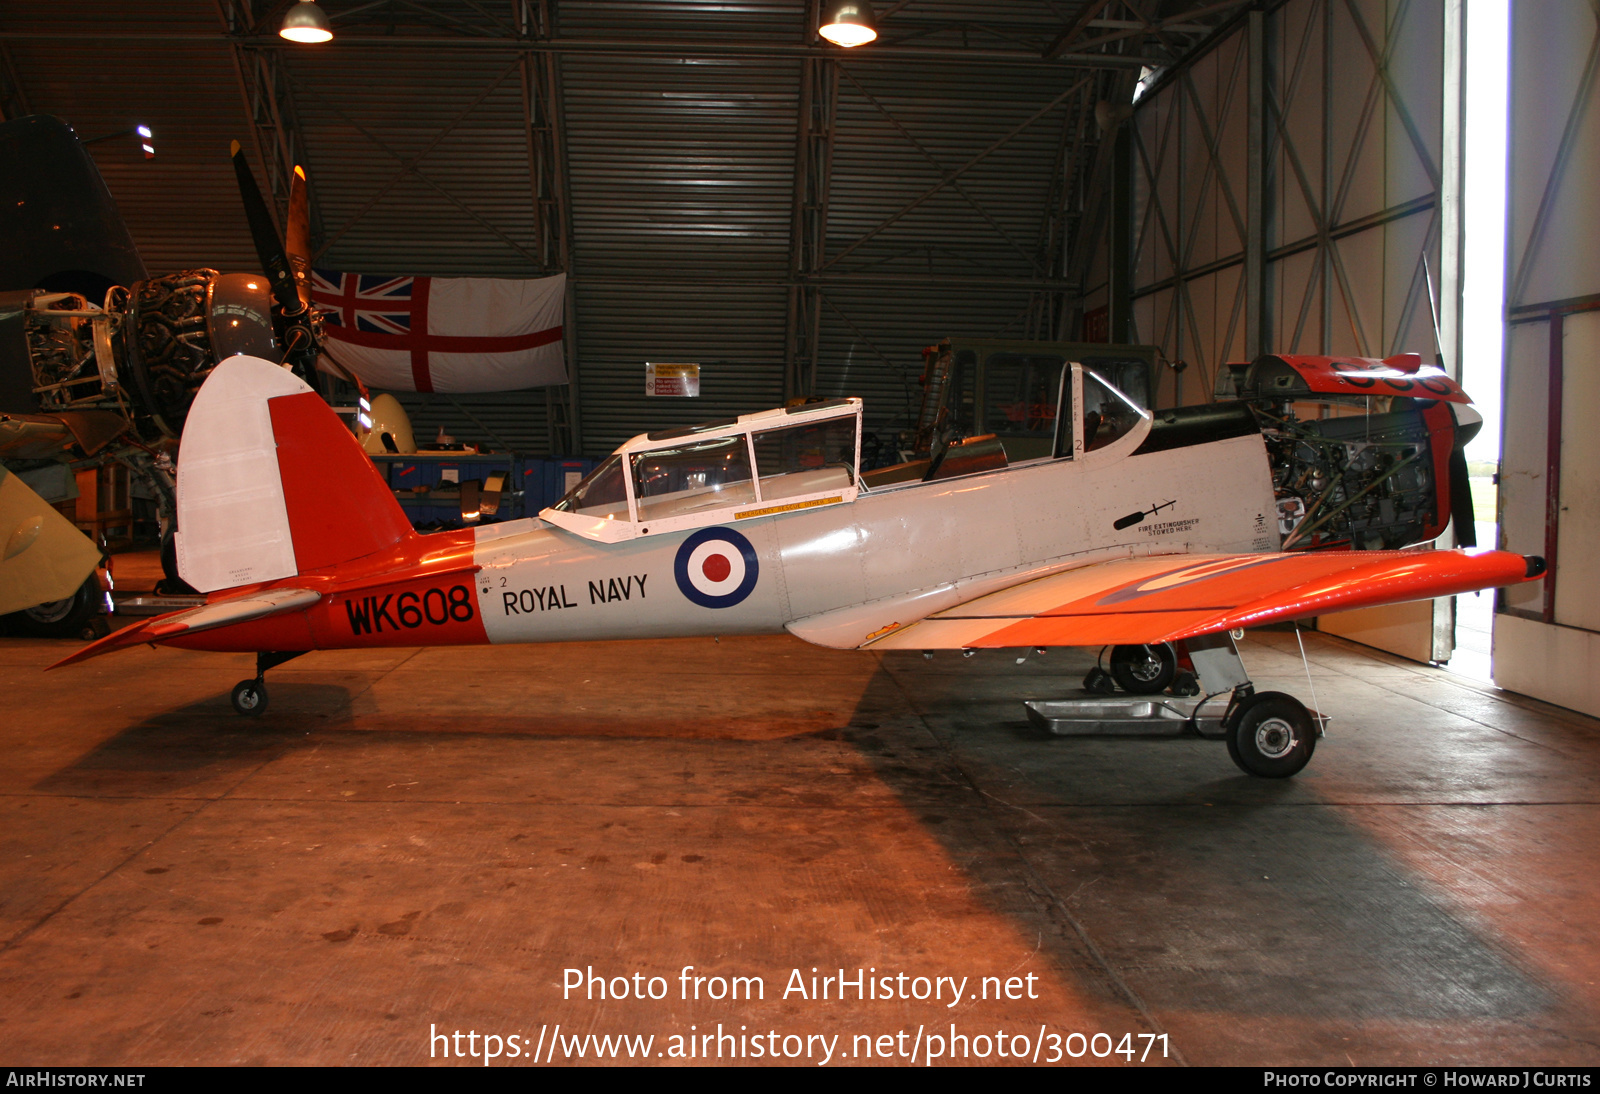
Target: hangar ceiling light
x=306 y=23
x=848 y=23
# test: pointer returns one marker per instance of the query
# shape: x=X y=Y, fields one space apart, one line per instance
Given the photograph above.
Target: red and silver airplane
x=1136 y=529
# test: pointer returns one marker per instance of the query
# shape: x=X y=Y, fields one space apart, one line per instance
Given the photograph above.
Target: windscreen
x=1129 y=375
x=602 y=493
x=1108 y=414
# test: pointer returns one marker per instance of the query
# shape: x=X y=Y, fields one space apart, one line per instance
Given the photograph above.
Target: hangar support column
x=813 y=167
x=547 y=182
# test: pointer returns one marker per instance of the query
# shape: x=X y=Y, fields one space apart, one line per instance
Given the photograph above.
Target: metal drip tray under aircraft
x=1090 y=715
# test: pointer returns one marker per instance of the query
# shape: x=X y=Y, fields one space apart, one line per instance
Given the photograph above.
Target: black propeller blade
x=1461 y=511
x=274 y=260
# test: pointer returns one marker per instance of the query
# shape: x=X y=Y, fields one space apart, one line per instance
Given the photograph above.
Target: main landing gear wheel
x=61 y=618
x=1271 y=735
x=1144 y=670
x=250 y=697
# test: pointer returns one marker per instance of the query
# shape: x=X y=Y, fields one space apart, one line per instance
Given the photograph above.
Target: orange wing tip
x=1438 y=575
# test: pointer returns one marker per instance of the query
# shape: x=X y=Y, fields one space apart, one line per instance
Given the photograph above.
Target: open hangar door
x=1295 y=188
x=1547 y=633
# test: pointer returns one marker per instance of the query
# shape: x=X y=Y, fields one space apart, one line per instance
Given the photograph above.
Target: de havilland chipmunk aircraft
x=1137 y=529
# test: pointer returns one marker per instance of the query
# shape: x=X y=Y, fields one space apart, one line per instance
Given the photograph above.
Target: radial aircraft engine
x=88 y=339
x=99 y=361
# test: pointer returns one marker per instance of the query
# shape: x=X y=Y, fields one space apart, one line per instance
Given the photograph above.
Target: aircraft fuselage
x=834 y=573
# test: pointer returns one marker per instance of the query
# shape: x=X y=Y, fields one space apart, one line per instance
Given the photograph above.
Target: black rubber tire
x=67 y=618
x=249 y=697
x=1144 y=670
x=1272 y=735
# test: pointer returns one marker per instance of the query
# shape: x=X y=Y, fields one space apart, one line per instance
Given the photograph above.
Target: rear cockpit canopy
x=775 y=461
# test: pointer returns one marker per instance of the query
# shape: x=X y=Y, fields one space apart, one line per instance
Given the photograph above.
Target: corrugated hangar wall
x=183 y=206
x=679 y=254
x=903 y=267
x=719 y=185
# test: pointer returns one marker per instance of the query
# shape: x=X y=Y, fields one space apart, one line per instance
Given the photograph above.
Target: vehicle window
x=1019 y=394
x=710 y=474
x=807 y=459
x=1107 y=413
x=602 y=493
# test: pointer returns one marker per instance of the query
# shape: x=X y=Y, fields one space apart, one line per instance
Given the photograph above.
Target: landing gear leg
x=250 y=696
x=1270 y=735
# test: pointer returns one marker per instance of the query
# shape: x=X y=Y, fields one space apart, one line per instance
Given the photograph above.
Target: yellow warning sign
x=673 y=380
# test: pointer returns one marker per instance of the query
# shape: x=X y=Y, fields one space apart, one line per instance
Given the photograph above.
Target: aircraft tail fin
x=271 y=484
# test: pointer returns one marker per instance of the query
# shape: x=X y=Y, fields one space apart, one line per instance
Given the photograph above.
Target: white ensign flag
x=445 y=334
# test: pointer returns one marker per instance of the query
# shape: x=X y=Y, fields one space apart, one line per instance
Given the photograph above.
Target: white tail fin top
x=233 y=525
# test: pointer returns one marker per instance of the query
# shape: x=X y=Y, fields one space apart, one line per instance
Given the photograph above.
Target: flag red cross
x=382 y=303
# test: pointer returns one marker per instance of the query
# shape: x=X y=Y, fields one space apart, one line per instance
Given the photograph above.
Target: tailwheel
x=250 y=697
x=1271 y=735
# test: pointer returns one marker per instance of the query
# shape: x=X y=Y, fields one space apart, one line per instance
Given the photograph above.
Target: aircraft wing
x=220 y=613
x=1163 y=598
x=42 y=556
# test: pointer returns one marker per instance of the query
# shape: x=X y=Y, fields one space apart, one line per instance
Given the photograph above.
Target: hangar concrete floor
x=421 y=841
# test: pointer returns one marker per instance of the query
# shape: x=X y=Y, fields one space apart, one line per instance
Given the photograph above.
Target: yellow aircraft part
x=388 y=416
x=42 y=556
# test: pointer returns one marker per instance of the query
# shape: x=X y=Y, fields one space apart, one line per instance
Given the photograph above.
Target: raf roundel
x=716 y=568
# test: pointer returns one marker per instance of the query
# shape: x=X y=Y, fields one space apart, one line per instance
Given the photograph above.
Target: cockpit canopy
x=804 y=457
x=777 y=461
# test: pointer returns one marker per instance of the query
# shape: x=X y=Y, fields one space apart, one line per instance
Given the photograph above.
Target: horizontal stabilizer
x=207 y=617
